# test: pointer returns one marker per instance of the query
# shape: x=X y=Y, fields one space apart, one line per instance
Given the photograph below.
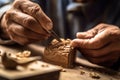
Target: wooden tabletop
x=84 y=70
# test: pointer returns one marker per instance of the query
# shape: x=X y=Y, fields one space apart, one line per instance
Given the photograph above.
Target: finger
x=86 y=35
x=18 y=39
x=107 y=60
x=21 y=35
x=21 y=40
x=25 y=20
x=34 y=10
x=114 y=46
x=96 y=42
x=21 y=31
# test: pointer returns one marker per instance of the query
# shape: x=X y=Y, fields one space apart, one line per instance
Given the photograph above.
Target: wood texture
x=82 y=70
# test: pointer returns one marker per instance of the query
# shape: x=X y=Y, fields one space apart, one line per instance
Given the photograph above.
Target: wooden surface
x=82 y=70
x=25 y=73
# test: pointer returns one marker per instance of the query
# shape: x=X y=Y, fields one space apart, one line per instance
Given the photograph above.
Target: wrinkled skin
x=24 y=22
x=100 y=45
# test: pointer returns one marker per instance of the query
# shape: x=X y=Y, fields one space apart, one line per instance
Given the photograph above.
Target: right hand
x=24 y=22
x=100 y=45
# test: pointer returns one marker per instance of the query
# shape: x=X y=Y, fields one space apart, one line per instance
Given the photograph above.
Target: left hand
x=100 y=45
x=24 y=23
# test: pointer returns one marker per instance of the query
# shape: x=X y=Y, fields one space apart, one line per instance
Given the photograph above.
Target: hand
x=100 y=45
x=24 y=22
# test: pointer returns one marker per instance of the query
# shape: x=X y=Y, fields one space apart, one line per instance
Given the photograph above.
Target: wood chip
x=94 y=75
x=64 y=70
x=82 y=72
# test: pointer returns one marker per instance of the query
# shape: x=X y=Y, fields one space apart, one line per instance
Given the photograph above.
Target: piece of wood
x=36 y=71
x=76 y=73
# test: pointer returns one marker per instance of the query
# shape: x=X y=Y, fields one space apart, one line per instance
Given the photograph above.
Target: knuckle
x=16 y=3
x=9 y=14
x=114 y=31
x=34 y=9
x=28 y=21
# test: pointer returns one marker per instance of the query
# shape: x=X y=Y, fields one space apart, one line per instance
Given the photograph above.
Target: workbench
x=82 y=71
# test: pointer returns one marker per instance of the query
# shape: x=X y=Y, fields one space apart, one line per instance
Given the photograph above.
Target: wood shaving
x=82 y=72
x=44 y=65
x=64 y=70
x=94 y=75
